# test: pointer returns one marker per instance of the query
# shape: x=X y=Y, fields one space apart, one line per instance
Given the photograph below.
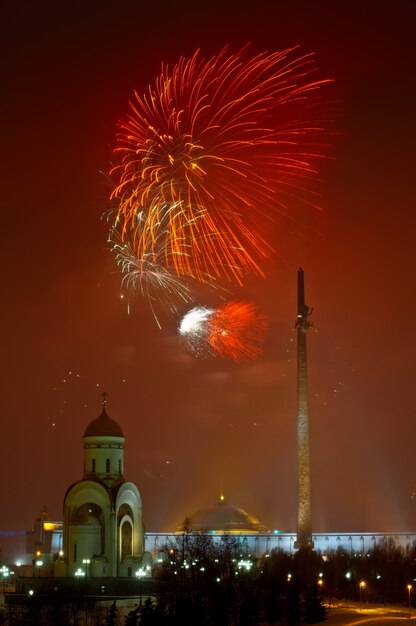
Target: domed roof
x=224 y=517
x=103 y=426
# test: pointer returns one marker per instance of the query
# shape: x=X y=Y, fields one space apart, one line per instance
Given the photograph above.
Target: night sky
x=192 y=425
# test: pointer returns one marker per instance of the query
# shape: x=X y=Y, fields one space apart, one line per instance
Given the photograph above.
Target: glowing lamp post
x=86 y=563
x=140 y=573
x=409 y=591
x=361 y=586
x=4 y=574
x=37 y=563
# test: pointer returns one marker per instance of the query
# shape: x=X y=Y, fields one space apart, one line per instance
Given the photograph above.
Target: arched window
x=126 y=540
x=93 y=466
x=107 y=466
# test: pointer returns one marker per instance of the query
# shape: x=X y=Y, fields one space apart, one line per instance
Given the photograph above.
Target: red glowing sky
x=192 y=425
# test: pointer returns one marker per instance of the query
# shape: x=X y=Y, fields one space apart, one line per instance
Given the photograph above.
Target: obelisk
x=304 y=526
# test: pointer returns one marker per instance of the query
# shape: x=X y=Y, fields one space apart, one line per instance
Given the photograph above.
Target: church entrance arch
x=87 y=522
x=125 y=530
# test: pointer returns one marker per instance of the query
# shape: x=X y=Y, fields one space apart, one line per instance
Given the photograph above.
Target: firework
x=146 y=273
x=235 y=330
x=227 y=141
x=195 y=328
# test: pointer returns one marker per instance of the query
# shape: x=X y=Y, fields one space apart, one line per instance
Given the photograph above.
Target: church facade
x=103 y=534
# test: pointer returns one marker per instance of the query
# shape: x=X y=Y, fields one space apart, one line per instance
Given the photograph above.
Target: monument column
x=304 y=523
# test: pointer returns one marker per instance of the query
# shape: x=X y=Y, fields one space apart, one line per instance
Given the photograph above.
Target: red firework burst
x=225 y=142
x=236 y=331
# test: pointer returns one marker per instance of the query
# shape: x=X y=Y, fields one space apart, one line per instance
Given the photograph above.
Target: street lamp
x=320 y=584
x=362 y=586
x=86 y=563
x=409 y=590
x=4 y=573
x=140 y=573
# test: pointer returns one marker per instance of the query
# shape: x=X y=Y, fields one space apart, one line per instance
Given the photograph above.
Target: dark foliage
x=314 y=610
x=217 y=583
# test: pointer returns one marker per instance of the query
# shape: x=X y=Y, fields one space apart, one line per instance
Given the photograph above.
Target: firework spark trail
x=146 y=272
x=235 y=330
x=227 y=140
x=194 y=329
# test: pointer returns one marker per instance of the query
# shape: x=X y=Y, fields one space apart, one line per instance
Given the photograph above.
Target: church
x=103 y=532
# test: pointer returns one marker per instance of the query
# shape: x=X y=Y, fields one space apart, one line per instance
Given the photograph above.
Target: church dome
x=103 y=426
x=224 y=517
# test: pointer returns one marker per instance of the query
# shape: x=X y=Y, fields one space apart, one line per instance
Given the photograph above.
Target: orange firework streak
x=236 y=331
x=220 y=144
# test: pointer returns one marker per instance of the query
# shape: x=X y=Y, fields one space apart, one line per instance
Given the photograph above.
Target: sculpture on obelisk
x=304 y=527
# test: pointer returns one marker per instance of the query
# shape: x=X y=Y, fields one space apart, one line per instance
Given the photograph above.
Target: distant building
x=226 y=518
x=44 y=541
x=223 y=518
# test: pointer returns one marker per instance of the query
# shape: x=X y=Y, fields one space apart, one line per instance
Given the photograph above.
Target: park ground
x=352 y=614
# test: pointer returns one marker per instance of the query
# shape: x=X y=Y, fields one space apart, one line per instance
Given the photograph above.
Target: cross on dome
x=104 y=396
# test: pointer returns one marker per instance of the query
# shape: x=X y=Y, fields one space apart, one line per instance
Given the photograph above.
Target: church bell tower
x=104 y=449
